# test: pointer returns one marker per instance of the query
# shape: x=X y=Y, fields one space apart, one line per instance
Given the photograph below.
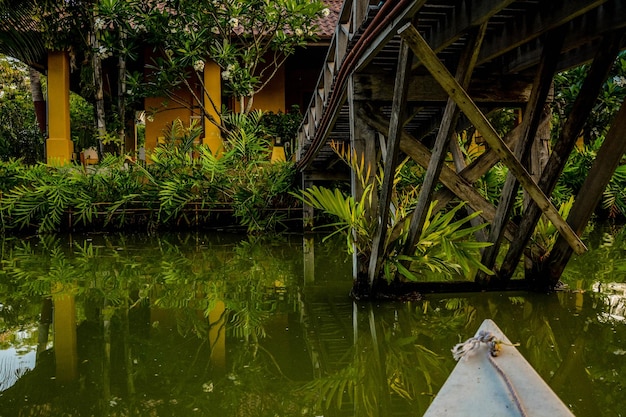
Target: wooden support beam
x=444 y=135
x=455 y=148
x=450 y=179
x=363 y=141
x=469 y=108
x=530 y=124
x=602 y=63
x=504 y=90
x=391 y=159
x=607 y=160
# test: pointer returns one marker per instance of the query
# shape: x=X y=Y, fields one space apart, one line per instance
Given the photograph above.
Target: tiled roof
x=327 y=25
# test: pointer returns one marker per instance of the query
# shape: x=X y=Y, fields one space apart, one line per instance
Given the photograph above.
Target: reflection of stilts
x=64 y=325
x=308 y=242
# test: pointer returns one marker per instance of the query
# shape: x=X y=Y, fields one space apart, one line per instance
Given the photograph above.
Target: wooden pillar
x=607 y=51
x=444 y=135
x=398 y=109
x=363 y=150
x=59 y=146
x=459 y=95
x=65 y=346
x=308 y=212
x=607 y=160
x=212 y=103
x=532 y=117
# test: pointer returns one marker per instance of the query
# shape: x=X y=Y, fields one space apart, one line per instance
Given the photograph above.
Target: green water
x=224 y=325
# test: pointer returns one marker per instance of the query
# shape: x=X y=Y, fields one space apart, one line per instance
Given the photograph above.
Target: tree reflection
x=190 y=325
x=135 y=309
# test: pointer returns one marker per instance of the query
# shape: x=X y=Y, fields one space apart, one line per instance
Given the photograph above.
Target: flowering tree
x=249 y=39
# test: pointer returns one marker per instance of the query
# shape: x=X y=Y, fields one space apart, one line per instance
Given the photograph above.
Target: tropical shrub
x=445 y=247
x=184 y=183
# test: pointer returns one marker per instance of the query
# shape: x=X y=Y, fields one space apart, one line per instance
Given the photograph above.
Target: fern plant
x=445 y=246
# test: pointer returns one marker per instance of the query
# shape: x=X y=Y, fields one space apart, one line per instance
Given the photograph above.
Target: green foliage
x=567 y=88
x=19 y=133
x=545 y=233
x=82 y=123
x=183 y=183
x=444 y=248
x=249 y=40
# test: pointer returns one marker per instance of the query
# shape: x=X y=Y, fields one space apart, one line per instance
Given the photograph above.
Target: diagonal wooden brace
x=440 y=73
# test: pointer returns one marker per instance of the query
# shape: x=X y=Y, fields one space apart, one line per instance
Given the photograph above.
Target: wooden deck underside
x=464 y=58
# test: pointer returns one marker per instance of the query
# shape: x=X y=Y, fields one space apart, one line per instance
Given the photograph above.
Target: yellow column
x=278 y=152
x=65 y=349
x=213 y=86
x=59 y=146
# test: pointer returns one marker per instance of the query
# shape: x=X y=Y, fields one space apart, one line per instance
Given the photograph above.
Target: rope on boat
x=462 y=350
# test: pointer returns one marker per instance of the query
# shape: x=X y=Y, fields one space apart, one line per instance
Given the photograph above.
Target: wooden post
x=308 y=213
x=469 y=108
x=391 y=159
x=607 y=51
x=446 y=131
x=530 y=124
x=363 y=150
x=607 y=160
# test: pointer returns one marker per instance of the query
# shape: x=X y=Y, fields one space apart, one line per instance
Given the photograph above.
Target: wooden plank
x=602 y=63
x=530 y=124
x=547 y=16
x=467 y=15
x=469 y=108
x=607 y=160
x=393 y=141
x=444 y=135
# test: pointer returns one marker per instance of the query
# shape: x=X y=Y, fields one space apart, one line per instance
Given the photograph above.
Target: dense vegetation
x=182 y=184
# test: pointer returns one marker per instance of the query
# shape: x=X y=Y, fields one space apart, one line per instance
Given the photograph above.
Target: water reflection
x=223 y=325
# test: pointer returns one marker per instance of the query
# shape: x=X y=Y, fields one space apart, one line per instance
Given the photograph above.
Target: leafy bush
x=183 y=177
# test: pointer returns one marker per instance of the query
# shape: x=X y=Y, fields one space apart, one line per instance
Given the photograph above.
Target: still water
x=227 y=325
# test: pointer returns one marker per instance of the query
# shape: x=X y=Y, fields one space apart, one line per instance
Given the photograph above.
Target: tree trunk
x=38 y=100
x=121 y=94
x=99 y=92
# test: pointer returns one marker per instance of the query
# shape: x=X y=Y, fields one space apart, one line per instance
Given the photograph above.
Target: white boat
x=487 y=386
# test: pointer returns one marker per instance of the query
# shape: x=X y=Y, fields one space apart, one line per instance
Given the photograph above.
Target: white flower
x=230 y=67
x=299 y=32
x=198 y=65
x=234 y=22
x=325 y=12
x=215 y=30
x=207 y=387
x=226 y=75
x=619 y=81
x=98 y=23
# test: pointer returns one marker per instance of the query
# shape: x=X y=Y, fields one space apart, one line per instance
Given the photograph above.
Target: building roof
x=327 y=25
